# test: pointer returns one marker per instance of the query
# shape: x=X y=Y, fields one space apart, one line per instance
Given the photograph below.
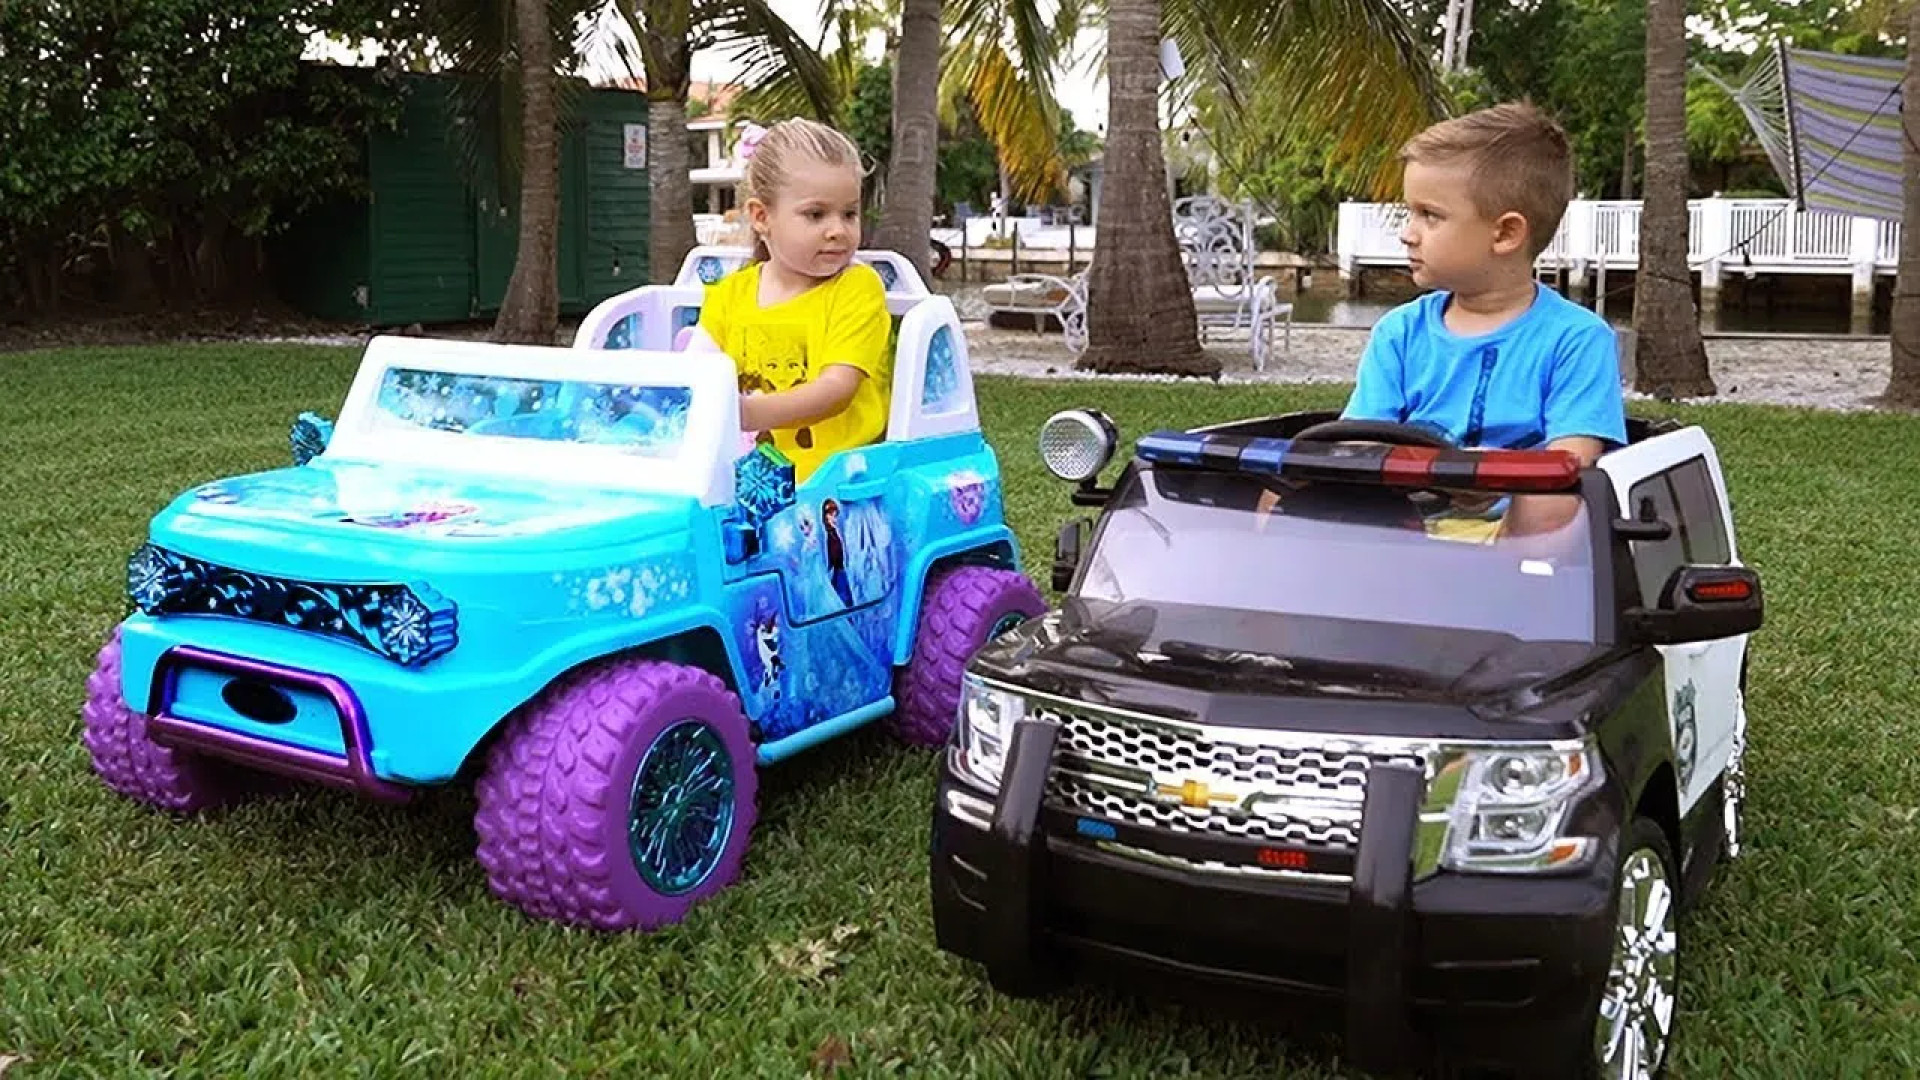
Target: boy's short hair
x=1517 y=159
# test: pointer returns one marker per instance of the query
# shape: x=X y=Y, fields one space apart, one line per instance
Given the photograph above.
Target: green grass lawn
x=319 y=934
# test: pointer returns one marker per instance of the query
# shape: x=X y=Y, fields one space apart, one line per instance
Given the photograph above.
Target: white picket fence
x=1766 y=235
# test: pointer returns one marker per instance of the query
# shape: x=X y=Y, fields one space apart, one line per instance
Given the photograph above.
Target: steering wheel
x=1429 y=501
x=1374 y=431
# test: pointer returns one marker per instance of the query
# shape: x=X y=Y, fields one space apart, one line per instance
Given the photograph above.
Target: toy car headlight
x=1077 y=444
x=1512 y=803
x=987 y=716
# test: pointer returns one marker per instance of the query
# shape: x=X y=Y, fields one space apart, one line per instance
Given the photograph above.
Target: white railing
x=1766 y=234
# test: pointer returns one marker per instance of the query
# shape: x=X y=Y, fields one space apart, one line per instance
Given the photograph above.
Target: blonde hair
x=1518 y=160
x=783 y=146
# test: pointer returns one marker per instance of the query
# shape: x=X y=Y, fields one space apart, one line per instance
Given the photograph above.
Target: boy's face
x=1450 y=244
x=812 y=227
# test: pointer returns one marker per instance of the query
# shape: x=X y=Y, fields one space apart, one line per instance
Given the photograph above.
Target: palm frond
x=766 y=48
x=1005 y=53
x=1022 y=124
x=1350 y=72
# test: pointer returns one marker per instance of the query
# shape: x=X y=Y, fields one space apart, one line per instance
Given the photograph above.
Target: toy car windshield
x=636 y=420
x=1323 y=537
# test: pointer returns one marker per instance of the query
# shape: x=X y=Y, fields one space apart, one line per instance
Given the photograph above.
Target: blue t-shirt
x=1551 y=373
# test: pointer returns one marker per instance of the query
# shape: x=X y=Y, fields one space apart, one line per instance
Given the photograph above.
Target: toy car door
x=1676 y=478
x=820 y=608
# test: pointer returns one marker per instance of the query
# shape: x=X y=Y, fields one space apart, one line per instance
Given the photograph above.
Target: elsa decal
x=836 y=552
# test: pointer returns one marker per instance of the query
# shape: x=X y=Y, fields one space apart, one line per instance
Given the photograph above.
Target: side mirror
x=1067 y=546
x=1701 y=603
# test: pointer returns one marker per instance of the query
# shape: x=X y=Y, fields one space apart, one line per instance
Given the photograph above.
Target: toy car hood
x=352 y=506
x=1235 y=667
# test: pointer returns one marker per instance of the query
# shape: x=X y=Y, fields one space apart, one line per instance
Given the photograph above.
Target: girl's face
x=812 y=226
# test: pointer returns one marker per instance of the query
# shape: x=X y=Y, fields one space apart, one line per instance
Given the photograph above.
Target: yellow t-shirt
x=840 y=321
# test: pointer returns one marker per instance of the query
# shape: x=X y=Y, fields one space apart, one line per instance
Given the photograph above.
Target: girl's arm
x=701 y=341
x=808 y=403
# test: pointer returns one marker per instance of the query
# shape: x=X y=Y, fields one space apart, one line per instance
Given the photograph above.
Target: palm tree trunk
x=670 y=216
x=1669 y=357
x=906 y=221
x=1903 y=387
x=663 y=28
x=530 y=313
x=1140 y=311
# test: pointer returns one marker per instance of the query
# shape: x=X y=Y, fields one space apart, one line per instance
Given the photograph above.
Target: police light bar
x=1365 y=463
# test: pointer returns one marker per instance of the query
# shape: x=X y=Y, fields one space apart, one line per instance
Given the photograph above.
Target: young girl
x=806 y=326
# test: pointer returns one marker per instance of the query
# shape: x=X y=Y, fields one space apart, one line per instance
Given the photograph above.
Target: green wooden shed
x=433 y=245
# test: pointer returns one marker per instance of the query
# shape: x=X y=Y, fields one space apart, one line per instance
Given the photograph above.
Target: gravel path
x=1841 y=374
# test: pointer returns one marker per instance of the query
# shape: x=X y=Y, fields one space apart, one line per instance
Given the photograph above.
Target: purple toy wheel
x=964 y=608
x=620 y=797
x=134 y=765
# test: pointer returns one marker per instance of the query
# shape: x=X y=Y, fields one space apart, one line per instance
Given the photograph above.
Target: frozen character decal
x=836 y=552
x=766 y=640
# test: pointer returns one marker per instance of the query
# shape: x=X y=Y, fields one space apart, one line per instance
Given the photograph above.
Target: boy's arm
x=1585 y=410
x=1379 y=391
x=1585 y=413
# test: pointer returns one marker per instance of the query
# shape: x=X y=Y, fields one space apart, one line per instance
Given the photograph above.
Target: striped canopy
x=1831 y=126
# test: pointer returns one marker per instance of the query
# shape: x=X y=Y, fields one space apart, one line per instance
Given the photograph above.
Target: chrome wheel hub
x=1636 y=1008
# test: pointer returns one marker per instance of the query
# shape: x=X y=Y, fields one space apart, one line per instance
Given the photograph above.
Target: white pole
x=1466 y=34
x=1448 y=31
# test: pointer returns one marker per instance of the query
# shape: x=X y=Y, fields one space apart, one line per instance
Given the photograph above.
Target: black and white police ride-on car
x=1335 y=711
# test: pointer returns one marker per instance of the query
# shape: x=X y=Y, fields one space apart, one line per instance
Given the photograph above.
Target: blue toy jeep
x=563 y=572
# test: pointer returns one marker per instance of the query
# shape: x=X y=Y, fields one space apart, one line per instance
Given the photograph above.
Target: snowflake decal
x=942 y=383
x=151 y=576
x=763 y=484
x=889 y=276
x=636 y=590
x=710 y=269
x=406 y=628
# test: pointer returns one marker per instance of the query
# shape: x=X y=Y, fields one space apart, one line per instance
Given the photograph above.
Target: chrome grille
x=1274 y=787
x=1082 y=797
x=1333 y=768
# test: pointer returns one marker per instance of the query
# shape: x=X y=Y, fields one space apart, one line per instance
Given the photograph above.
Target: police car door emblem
x=1685 y=737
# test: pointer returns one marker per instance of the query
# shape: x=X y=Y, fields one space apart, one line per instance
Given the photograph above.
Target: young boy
x=1490 y=356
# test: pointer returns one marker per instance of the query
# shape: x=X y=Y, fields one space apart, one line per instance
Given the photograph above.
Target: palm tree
x=1669 y=357
x=1903 y=385
x=668 y=33
x=530 y=312
x=906 y=218
x=1140 y=314
x=1002 y=61
x=1350 y=69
